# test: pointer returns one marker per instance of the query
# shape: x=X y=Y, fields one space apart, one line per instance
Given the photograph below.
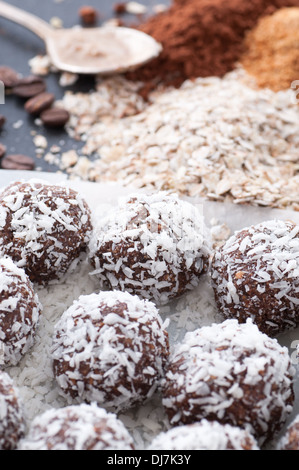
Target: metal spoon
x=103 y=50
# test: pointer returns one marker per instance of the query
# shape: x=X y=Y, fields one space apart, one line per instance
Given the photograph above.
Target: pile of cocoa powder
x=200 y=38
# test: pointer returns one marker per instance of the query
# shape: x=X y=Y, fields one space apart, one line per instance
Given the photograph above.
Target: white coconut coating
x=20 y=310
x=156 y=246
x=12 y=421
x=231 y=373
x=204 y=435
x=290 y=439
x=256 y=275
x=43 y=228
x=110 y=348
x=78 y=427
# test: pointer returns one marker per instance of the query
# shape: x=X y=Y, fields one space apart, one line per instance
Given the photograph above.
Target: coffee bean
x=120 y=8
x=8 y=76
x=88 y=15
x=17 y=162
x=2 y=121
x=55 y=117
x=37 y=104
x=2 y=150
x=29 y=86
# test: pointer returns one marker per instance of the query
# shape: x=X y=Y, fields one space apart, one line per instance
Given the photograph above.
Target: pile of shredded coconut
x=219 y=138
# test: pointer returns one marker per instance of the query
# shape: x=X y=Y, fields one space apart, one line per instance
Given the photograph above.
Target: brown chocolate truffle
x=204 y=435
x=43 y=228
x=256 y=275
x=155 y=246
x=77 y=427
x=12 y=422
x=20 y=310
x=110 y=348
x=290 y=439
x=231 y=373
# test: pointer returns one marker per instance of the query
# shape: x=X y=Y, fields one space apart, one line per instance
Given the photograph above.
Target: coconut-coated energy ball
x=78 y=427
x=20 y=310
x=155 y=246
x=290 y=439
x=231 y=373
x=110 y=348
x=204 y=435
x=256 y=275
x=43 y=228
x=12 y=421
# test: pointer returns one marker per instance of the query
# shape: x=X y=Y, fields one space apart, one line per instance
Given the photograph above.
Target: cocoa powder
x=200 y=38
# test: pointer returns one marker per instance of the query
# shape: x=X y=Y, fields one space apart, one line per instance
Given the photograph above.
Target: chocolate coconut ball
x=155 y=246
x=231 y=373
x=12 y=422
x=81 y=427
x=290 y=440
x=110 y=348
x=256 y=275
x=204 y=435
x=43 y=228
x=20 y=311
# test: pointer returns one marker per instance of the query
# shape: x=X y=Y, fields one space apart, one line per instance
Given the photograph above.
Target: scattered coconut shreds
x=40 y=141
x=40 y=65
x=68 y=159
x=135 y=8
x=221 y=139
x=18 y=124
x=68 y=79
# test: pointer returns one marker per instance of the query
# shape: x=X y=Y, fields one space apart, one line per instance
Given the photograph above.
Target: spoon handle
x=38 y=26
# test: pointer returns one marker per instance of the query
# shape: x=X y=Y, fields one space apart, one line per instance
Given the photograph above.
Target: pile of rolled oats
x=222 y=139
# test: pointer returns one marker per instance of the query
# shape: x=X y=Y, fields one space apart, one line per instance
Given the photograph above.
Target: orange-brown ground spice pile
x=272 y=50
x=201 y=38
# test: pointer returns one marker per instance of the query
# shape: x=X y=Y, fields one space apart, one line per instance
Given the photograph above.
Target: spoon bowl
x=103 y=50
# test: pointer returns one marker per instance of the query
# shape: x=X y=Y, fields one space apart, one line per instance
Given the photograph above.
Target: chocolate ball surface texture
x=155 y=246
x=43 y=227
x=12 y=420
x=204 y=435
x=110 y=348
x=78 y=427
x=256 y=275
x=20 y=311
x=290 y=439
x=231 y=373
